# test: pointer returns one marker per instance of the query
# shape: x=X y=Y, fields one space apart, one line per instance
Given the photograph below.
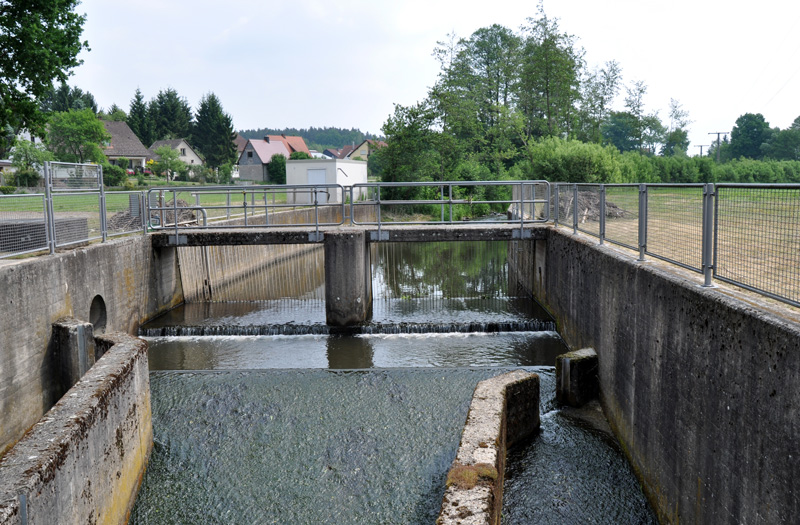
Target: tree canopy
x=77 y=136
x=170 y=116
x=40 y=42
x=213 y=134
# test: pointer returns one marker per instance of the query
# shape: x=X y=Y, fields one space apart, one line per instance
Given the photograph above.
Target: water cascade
x=261 y=414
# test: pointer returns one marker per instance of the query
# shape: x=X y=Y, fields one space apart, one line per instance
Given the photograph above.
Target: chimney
x=266 y=137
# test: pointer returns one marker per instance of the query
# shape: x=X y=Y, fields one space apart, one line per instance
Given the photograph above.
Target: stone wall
x=134 y=282
x=83 y=461
x=702 y=389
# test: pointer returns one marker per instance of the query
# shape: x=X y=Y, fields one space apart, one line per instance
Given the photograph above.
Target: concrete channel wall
x=133 y=281
x=83 y=461
x=504 y=411
x=702 y=389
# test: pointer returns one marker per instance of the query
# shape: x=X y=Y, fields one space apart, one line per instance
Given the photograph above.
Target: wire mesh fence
x=744 y=234
x=675 y=224
x=77 y=217
x=758 y=239
x=125 y=211
x=23 y=224
x=622 y=215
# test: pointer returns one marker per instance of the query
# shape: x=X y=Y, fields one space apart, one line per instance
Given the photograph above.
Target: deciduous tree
x=748 y=134
x=77 y=136
x=40 y=42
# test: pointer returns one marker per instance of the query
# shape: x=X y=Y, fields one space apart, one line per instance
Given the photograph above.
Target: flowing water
x=261 y=416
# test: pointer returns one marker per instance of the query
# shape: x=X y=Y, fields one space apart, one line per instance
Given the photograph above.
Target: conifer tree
x=213 y=133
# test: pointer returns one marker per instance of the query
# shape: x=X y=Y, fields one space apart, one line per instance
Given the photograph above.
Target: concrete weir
x=700 y=387
x=83 y=461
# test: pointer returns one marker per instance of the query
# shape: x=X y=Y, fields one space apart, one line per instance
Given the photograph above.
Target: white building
x=323 y=171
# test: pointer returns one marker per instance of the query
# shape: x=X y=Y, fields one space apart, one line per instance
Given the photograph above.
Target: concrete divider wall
x=83 y=461
x=702 y=389
x=134 y=281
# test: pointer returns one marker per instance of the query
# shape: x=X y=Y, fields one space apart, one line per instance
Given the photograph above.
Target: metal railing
x=450 y=202
x=743 y=234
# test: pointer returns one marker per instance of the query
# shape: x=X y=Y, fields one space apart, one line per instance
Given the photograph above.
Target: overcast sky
x=345 y=63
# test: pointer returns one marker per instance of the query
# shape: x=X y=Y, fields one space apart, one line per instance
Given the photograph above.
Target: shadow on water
x=261 y=416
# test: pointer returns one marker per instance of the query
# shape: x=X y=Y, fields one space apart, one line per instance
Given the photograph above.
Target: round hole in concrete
x=97 y=314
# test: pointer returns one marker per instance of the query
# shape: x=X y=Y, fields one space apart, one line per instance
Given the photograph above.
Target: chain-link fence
x=743 y=234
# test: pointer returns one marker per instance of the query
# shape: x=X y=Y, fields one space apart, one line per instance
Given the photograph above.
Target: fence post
x=602 y=231
x=556 y=207
x=642 y=221
x=103 y=209
x=708 y=234
x=574 y=209
x=49 y=214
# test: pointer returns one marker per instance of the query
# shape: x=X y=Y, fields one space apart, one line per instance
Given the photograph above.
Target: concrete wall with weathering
x=83 y=461
x=702 y=389
x=135 y=282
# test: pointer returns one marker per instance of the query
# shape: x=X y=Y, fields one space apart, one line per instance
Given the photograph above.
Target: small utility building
x=323 y=171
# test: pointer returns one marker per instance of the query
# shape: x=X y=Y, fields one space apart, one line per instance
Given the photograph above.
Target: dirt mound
x=588 y=208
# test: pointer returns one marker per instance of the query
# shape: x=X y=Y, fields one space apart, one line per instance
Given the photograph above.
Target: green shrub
x=27 y=178
x=7 y=190
x=113 y=175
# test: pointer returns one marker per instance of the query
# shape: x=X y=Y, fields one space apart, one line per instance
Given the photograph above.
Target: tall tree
x=139 y=119
x=599 y=89
x=551 y=69
x=171 y=116
x=748 y=134
x=676 y=139
x=40 y=42
x=76 y=136
x=213 y=133
x=65 y=98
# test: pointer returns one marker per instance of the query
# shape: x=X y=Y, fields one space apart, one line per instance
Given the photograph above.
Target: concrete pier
x=348 y=280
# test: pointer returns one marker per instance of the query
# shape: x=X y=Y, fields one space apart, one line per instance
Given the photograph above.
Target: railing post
x=602 y=231
x=642 y=221
x=103 y=210
x=574 y=208
x=708 y=234
x=244 y=205
x=49 y=214
x=556 y=207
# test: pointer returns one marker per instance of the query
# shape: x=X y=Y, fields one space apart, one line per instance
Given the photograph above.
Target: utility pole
x=718 y=133
x=701 y=146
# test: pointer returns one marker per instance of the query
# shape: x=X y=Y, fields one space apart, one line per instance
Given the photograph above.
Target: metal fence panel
x=76 y=218
x=563 y=204
x=75 y=177
x=758 y=239
x=675 y=224
x=622 y=215
x=23 y=224
x=125 y=211
x=588 y=207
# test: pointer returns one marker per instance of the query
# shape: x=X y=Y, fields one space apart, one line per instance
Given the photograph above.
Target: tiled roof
x=265 y=150
x=293 y=143
x=240 y=142
x=124 y=143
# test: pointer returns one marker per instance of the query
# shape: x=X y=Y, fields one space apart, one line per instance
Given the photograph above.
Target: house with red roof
x=255 y=157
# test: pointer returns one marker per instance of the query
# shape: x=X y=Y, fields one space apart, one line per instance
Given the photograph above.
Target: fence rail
x=747 y=235
x=743 y=234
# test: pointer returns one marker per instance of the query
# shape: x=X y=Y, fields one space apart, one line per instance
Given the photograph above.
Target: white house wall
x=337 y=171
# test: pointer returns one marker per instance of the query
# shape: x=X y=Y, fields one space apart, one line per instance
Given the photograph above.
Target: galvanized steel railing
x=743 y=234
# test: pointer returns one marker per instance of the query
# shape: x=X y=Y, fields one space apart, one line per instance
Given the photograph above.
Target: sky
x=346 y=63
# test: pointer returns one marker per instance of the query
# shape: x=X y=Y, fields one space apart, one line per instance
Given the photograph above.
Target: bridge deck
x=304 y=235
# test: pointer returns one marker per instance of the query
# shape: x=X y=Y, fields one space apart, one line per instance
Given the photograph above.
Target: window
x=249 y=154
x=183 y=152
x=362 y=152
